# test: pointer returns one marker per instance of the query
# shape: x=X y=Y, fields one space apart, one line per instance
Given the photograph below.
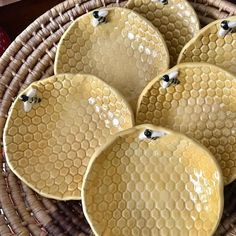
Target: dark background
x=14 y=18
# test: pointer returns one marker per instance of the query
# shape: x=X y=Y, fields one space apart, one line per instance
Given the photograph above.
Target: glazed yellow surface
x=177 y=22
x=203 y=106
x=168 y=186
x=207 y=46
x=50 y=146
x=126 y=52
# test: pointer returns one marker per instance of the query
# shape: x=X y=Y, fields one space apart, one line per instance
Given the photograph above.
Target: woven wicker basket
x=29 y=58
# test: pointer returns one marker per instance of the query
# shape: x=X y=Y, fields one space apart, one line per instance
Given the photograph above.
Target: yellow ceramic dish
x=202 y=105
x=175 y=19
x=56 y=125
x=125 y=50
x=214 y=45
x=151 y=181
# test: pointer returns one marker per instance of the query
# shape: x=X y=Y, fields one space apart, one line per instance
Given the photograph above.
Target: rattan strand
x=221 y=5
x=29 y=58
x=210 y=11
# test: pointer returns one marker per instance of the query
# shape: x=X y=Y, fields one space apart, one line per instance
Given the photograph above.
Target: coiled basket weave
x=29 y=58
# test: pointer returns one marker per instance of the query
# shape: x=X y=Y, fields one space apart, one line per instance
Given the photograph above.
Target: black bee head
x=224 y=25
x=24 y=98
x=165 y=2
x=96 y=14
x=148 y=133
x=166 y=78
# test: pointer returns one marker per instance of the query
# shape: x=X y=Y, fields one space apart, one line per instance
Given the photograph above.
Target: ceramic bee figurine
x=99 y=17
x=169 y=79
x=226 y=27
x=29 y=99
x=151 y=134
x=164 y=2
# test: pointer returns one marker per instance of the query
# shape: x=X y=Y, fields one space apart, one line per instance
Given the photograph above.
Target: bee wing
x=164 y=84
x=173 y=74
x=31 y=92
x=142 y=136
x=95 y=22
x=103 y=13
x=222 y=32
x=27 y=106
x=158 y=134
x=232 y=24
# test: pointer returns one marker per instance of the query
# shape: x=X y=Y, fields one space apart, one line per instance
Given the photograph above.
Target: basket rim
x=16 y=72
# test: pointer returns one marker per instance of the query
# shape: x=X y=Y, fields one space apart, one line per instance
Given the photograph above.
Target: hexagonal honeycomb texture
x=177 y=22
x=167 y=186
x=207 y=46
x=126 y=52
x=49 y=147
x=202 y=106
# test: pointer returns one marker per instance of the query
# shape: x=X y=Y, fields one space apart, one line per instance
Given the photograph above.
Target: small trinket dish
x=199 y=100
x=215 y=44
x=117 y=45
x=56 y=125
x=175 y=19
x=149 y=180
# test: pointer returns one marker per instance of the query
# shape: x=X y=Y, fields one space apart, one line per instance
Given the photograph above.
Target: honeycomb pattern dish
x=176 y=20
x=208 y=46
x=202 y=106
x=136 y=185
x=49 y=146
x=127 y=51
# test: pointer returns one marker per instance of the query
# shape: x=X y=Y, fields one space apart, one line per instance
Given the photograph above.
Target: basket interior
x=30 y=58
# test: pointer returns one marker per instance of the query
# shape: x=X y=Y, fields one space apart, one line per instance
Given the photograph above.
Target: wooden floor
x=14 y=18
